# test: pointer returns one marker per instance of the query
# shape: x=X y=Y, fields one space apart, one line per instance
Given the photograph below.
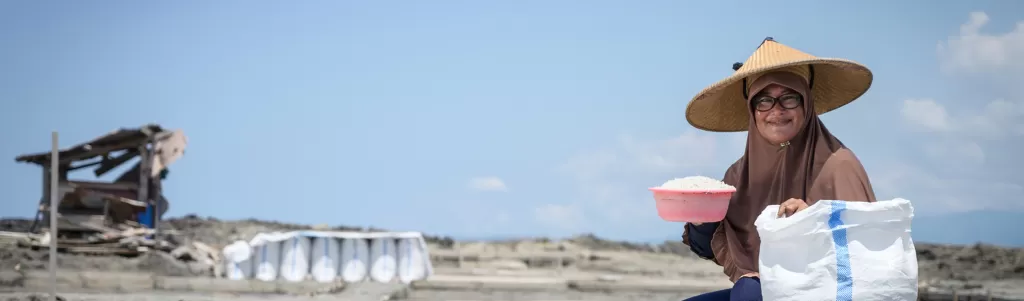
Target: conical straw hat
x=722 y=107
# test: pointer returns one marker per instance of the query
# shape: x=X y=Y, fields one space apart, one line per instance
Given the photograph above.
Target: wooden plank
x=16 y=235
x=84 y=165
x=93 y=222
x=99 y=249
x=111 y=163
x=102 y=251
x=101 y=185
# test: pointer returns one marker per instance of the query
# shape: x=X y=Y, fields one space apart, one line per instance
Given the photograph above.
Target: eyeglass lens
x=788 y=101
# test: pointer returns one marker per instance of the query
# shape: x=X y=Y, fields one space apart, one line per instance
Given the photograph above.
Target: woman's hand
x=791 y=206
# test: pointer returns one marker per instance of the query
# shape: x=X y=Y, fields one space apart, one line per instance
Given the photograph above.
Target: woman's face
x=778 y=113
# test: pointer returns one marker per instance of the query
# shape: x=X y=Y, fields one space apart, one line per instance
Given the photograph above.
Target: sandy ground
x=160 y=296
x=936 y=262
x=432 y=296
x=963 y=267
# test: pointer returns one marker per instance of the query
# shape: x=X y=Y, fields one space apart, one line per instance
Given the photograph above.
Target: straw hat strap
x=736 y=67
x=810 y=77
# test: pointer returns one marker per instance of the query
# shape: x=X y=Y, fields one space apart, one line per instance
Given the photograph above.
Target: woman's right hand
x=790 y=207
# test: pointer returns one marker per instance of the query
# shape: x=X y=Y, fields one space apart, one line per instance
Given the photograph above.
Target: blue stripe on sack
x=844 y=276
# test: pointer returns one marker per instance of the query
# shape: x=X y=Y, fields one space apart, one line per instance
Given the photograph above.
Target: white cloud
x=964 y=135
x=973 y=51
x=949 y=193
x=688 y=150
x=926 y=114
x=676 y=154
x=996 y=120
x=487 y=184
x=961 y=153
x=995 y=55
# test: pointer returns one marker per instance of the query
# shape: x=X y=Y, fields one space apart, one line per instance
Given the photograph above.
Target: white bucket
x=268 y=259
x=326 y=257
x=383 y=260
x=238 y=261
x=355 y=254
x=295 y=259
x=411 y=257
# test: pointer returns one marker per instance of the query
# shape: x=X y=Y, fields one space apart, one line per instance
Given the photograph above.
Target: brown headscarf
x=769 y=174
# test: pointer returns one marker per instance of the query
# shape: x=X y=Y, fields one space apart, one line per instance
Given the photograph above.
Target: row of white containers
x=326 y=258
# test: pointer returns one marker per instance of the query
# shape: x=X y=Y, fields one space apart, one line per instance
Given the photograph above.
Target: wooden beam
x=84 y=165
x=83 y=154
x=110 y=164
x=127 y=186
x=98 y=151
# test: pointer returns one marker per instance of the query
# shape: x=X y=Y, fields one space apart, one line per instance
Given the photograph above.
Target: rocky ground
x=962 y=264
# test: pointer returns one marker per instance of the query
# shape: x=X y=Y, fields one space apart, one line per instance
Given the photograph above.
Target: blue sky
x=493 y=119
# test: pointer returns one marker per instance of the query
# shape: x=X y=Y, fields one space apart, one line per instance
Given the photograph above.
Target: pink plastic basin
x=693 y=206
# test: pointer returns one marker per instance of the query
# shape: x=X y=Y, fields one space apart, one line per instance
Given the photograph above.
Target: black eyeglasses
x=766 y=103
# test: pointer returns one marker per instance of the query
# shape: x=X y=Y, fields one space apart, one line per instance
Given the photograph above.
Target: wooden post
x=107 y=220
x=144 y=182
x=42 y=217
x=54 y=204
x=158 y=199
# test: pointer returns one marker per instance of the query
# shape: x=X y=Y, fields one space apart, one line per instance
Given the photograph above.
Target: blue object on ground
x=146 y=218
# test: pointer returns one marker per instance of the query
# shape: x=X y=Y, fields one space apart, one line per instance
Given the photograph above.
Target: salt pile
x=695 y=183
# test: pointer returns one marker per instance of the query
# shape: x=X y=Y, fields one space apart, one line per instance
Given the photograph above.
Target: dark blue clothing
x=746 y=289
x=700 y=239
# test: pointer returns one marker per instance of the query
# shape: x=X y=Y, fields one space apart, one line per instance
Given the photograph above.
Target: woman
x=791 y=159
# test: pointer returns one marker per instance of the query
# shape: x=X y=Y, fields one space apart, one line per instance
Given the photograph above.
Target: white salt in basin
x=693 y=199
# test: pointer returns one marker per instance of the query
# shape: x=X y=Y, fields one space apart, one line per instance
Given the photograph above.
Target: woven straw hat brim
x=722 y=107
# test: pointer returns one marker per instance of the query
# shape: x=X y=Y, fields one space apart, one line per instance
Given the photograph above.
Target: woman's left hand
x=791 y=206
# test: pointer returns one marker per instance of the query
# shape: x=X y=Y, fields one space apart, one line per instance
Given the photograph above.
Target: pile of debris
x=129 y=243
x=116 y=218
x=131 y=249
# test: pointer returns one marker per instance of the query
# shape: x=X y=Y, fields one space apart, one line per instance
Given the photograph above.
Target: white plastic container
x=411 y=260
x=326 y=259
x=383 y=260
x=267 y=261
x=295 y=259
x=238 y=261
x=355 y=256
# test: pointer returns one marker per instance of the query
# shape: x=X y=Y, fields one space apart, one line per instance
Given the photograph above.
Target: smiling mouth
x=781 y=122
